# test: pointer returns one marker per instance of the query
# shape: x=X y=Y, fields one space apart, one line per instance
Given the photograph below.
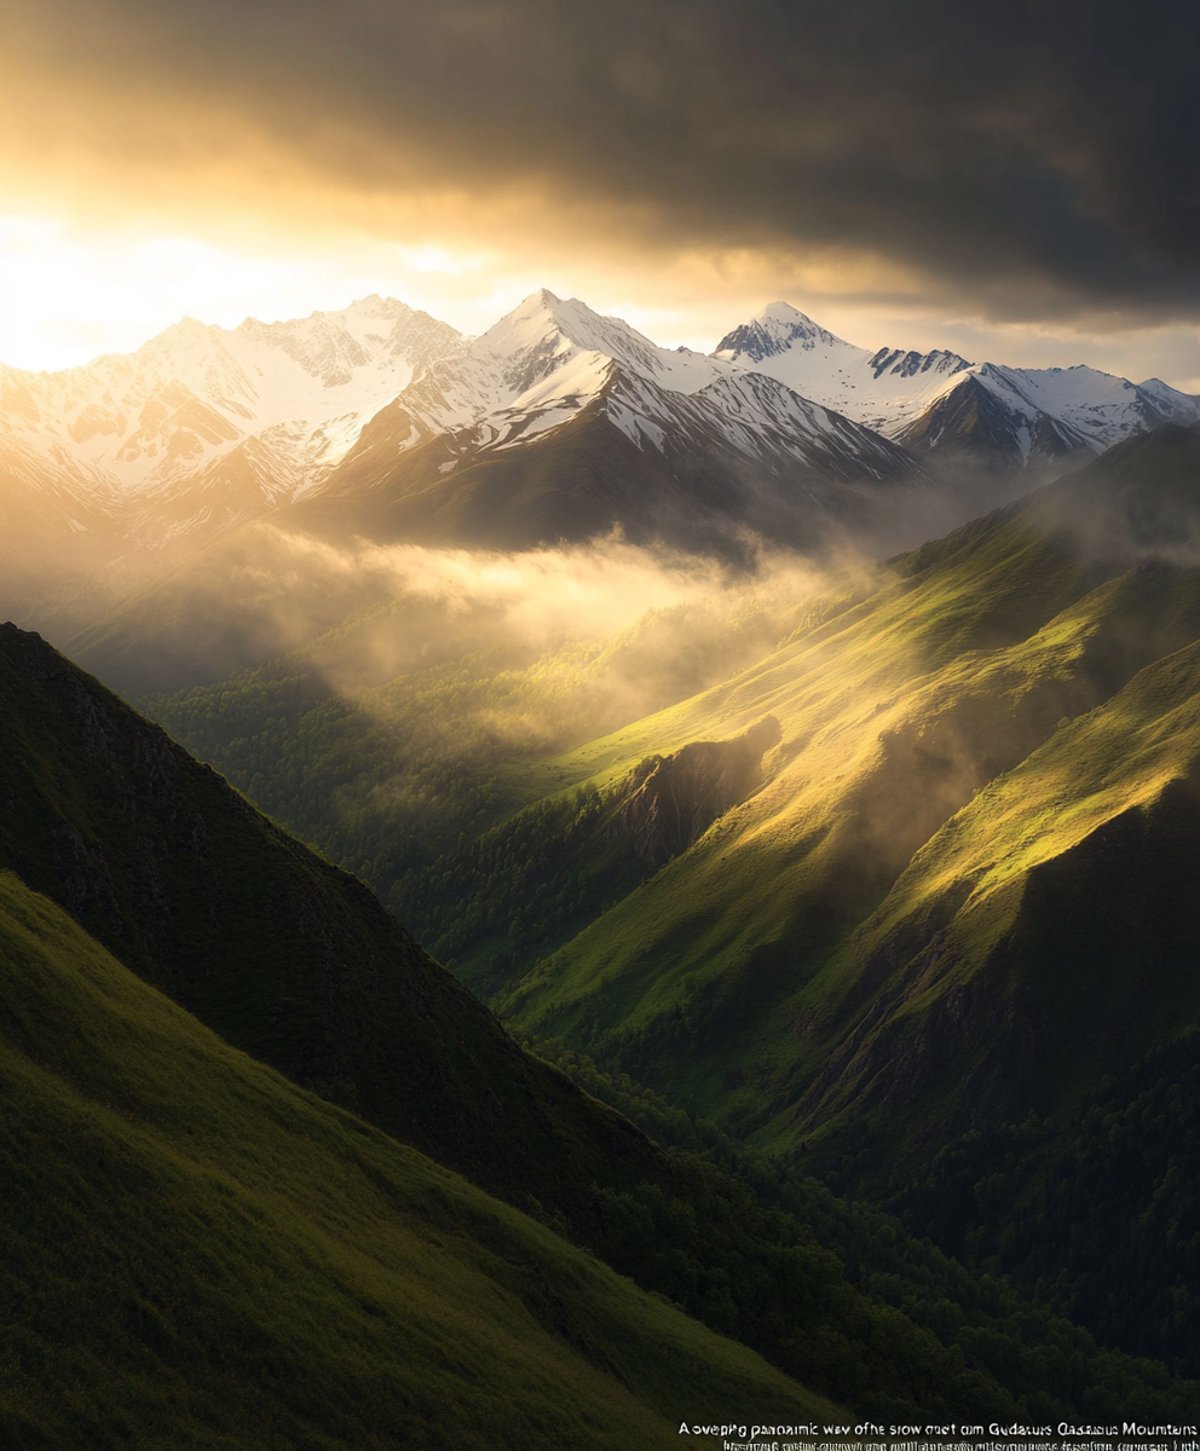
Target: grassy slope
x=893 y=714
x=199 y=1254
x=726 y=978
x=1063 y=893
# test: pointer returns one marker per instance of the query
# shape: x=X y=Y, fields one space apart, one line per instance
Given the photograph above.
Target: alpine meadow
x=615 y=873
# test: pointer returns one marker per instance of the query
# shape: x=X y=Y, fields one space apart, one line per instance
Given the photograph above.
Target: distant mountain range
x=1007 y=417
x=555 y=423
x=558 y=423
x=203 y=425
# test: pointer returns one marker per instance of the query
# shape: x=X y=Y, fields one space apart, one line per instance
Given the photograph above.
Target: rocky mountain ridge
x=1009 y=418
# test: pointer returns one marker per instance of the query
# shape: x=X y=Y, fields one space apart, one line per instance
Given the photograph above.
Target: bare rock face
x=670 y=801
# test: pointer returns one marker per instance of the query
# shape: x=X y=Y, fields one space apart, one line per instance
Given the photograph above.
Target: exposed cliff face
x=670 y=801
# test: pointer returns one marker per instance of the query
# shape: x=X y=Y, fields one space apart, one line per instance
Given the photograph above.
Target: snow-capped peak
x=543 y=319
x=532 y=321
x=778 y=329
x=303 y=388
x=1164 y=393
x=781 y=319
x=549 y=347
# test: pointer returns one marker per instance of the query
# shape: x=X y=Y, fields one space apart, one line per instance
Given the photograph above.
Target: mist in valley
x=422 y=719
x=394 y=704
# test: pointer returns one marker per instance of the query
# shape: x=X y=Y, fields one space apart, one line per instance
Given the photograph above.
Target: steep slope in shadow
x=200 y=1254
x=281 y=953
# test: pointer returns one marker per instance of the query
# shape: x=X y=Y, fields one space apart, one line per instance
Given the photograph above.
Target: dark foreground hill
x=282 y=954
x=198 y=1254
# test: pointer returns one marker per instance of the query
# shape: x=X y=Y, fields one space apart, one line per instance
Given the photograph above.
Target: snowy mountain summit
x=228 y=419
x=1008 y=417
x=779 y=329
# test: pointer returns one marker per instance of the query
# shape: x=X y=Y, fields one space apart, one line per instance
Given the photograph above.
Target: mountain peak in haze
x=188 y=332
x=545 y=333
x=778 y=328
x=783 y=317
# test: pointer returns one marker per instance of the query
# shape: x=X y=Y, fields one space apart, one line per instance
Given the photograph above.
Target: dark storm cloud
x=1039 y=159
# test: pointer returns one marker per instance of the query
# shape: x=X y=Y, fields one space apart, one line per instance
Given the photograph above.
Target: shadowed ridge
x=281 y=953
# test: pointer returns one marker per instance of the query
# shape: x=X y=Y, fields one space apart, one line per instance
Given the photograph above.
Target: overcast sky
x=1013 y=180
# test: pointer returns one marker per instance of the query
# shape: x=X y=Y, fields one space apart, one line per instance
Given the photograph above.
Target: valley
x=908 y=919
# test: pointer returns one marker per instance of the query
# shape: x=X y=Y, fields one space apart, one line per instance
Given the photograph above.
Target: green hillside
x=1064 y=892
x=198 y=1254
x=746 y=974
x=231 y=916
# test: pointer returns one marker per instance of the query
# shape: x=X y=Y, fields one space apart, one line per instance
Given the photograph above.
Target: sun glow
x=69 y=294
x=75 y=286
x=66 y=296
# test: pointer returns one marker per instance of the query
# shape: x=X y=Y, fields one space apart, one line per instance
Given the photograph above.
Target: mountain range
x=938 y=401
x=145 y=497
x=398 y=424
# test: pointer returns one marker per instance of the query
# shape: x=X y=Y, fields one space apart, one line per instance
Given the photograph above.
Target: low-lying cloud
x=609 y=629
